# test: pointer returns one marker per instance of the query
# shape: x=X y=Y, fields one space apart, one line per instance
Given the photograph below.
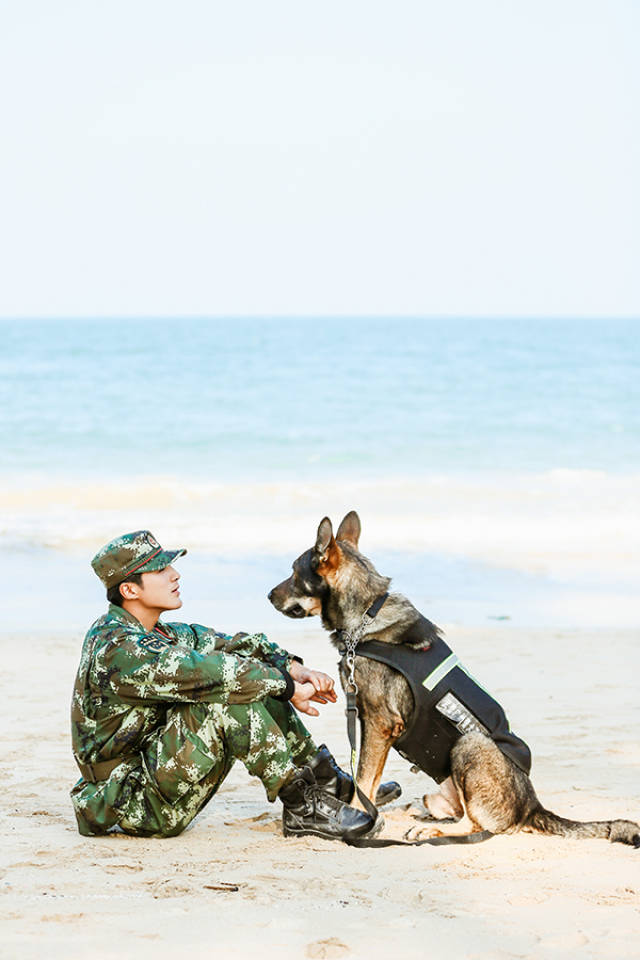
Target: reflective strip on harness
x=434 y=678
x=465 y=721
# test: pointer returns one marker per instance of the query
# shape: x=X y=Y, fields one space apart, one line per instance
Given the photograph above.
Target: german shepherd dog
x=486 y=789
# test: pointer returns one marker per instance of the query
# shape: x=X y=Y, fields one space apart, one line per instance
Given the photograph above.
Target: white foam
x=565 y=524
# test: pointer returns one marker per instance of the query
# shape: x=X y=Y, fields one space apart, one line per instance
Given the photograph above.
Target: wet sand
x=233 y=883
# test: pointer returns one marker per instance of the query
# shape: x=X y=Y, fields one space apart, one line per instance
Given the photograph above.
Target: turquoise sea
x=494 y=462
x=286 y=398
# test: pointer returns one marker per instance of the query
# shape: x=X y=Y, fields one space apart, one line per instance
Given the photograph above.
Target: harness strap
x=96 y=772
x=374 y=609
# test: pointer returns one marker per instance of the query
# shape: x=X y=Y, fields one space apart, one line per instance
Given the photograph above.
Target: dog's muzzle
x=292 y=609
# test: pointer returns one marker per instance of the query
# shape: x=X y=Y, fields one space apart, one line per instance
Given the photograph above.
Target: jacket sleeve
x=142 y=669
x=243 y=645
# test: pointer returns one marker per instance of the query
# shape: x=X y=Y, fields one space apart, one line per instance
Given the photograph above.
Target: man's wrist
x=295 y=668
x=290 y=688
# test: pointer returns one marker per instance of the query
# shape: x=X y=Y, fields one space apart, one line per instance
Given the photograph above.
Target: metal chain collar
x=351 y=640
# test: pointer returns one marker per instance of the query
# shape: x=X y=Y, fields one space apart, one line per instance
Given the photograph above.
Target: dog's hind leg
x=463 y=825
x=444 y=804
x=489 y=790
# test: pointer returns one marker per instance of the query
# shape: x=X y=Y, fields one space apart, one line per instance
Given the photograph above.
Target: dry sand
x=233 y=883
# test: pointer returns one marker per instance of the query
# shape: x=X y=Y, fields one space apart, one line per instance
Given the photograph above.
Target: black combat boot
x=309 y=811
x=335 y=781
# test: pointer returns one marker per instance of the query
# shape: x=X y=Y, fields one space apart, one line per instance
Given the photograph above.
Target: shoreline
x=230 y=591
x=551 y=549
x=532 y=522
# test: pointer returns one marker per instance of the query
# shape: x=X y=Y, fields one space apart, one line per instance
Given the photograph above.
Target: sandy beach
x=232 y=882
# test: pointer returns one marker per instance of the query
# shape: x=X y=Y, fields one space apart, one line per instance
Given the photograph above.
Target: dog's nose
x=270 y=596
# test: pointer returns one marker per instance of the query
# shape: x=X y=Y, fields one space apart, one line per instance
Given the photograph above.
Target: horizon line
x=319 y=316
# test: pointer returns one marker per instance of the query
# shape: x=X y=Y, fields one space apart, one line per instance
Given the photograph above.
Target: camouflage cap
x=137 y=552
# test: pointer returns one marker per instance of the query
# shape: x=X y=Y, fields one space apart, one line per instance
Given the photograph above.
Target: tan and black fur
x=486 y=791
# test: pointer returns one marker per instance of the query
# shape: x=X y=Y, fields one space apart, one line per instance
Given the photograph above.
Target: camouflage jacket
x=129 y=677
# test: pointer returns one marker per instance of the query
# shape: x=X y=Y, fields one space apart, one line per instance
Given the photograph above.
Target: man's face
x=158 y=591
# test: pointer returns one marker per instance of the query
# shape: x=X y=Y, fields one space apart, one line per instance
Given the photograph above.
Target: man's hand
x=303 y=694
x=323 y=684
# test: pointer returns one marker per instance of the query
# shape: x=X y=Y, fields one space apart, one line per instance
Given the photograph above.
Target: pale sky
x=355 y=157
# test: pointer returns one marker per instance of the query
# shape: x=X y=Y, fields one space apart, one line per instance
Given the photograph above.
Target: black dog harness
x=448 y=703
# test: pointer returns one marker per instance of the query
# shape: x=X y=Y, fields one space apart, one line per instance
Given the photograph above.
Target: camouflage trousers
x=186 y=761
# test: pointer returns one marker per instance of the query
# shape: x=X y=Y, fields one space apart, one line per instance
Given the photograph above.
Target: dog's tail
x=617 y=831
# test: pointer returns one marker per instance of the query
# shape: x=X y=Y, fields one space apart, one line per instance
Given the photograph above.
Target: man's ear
x=324 y=540
x=128 y=590
x=350 y=529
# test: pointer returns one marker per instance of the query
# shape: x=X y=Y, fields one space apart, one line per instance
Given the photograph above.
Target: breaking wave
x=561 y=523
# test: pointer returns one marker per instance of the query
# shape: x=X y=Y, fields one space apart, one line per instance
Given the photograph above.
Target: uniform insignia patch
x=154 y=644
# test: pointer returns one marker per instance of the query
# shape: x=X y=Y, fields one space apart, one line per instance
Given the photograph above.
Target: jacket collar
x=123 y=616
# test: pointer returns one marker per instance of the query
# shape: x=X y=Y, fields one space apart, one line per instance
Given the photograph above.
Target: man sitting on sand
x=161 y=711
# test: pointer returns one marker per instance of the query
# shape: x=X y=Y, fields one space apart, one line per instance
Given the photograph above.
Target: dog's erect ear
x=324 y=540
x=350 y=529
x=327 y=551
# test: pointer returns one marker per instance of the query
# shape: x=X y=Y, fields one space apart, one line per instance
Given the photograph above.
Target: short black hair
x=113 y=593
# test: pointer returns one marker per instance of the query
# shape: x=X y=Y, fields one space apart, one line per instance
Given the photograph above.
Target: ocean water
x=279 y=399
x=495 y=463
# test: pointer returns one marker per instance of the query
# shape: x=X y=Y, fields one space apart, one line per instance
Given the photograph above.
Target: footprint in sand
x=527 y=899
x=327 y=949
x=168 y=888
x=565 y=941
